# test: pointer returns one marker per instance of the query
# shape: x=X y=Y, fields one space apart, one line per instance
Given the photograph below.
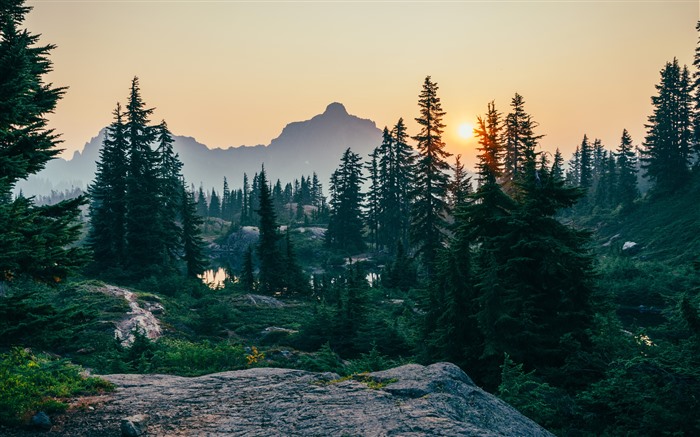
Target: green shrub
x=325 y=360
x=186 y=358
x=373 y=361
x=535 y=399
x=31 y=383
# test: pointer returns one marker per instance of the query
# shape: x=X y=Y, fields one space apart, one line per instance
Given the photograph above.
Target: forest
x=568 y=288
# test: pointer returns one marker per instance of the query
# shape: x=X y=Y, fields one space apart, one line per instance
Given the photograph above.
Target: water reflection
x=214 y=278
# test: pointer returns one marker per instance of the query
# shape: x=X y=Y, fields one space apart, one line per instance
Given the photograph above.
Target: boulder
x=411 y=400
x=41 y=421
x=134 y=426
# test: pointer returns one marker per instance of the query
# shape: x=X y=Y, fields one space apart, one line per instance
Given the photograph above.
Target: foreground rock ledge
x=411 y=400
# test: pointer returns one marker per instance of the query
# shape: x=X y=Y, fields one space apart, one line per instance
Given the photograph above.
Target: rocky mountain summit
x=303 y=147
x=412 y=400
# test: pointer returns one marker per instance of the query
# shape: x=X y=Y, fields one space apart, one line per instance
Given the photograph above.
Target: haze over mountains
x=302 y=148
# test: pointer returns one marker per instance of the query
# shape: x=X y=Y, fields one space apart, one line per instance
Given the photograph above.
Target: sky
x=232 y=73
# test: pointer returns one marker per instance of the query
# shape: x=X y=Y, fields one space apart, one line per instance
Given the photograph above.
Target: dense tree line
x=142 y=220
x=239 y=206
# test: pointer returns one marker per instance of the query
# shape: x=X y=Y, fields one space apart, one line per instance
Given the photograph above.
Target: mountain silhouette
x=302 y=148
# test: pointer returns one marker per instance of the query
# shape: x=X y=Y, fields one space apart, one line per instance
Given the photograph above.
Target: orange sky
x=235 y=72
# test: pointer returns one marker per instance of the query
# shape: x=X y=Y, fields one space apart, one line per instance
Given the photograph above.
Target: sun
x=466 y=130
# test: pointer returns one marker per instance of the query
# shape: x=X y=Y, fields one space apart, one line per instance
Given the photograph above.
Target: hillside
x=666 y=228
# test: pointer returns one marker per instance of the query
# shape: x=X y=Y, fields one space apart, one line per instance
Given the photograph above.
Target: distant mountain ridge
x=302 y=148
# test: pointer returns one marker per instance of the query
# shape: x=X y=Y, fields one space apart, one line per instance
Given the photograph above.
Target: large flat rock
x=412 y=400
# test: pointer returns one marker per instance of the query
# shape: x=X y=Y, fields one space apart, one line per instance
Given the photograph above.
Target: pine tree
x=247 y=274
x=404 y=160
x=451 y=330
x=573 y=173
x=245 y=215
x=271 y=276
x=545 y=271
x=460 y=186
x=107 y=235
x=585 y=164
x=518 y=138
x=193 y=245
x=666 y=148
x=254 y=200
x=599 y=156
x=202 y=205
x=214 y=205
x=696 y=106
x=296 y=282
x=170 y=182
x=431 y=178
x=488 y=131
x=226 y=202
x=143 y=227
x=558 y=166
x=373 y=199
x=627 y=189
x=278 y=198
x=483 y=221
x=387 y=193
x=316 y=191
x=606 y=186
x=34 y=241
x=532 y=274
x=345 y=222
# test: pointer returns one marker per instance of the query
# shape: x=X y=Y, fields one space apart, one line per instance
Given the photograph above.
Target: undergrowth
x=30 y=383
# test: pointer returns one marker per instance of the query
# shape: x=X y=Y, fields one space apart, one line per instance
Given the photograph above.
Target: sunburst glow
x=466 y=130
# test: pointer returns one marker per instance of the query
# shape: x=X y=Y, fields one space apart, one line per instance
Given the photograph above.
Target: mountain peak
x=335 y=108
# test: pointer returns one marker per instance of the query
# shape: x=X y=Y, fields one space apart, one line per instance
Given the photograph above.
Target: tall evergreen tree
x=606 y=186
x=192 y=243
x=34 y=241
x=169 y=191
x=627 y=189
x=696 y=106
x=345 y=221
x=316 y=191
x=202 y=205
x=545 y=272
x=214 y=205
x=599 y=157
x=107 y=235
x=585 y=180
x=558 y=166
x=667 y=146
x=518 y=138
x=483 y=220
x=431 y=178
x=404 y=159
x=573 y=173
x=387 y=193
x=271 y=276
x=460 y=185
x=247 y=274
x=373 y=198
x=226 y=202
x=532 y=274
x=143 y=227
x=296 y=282
x=245 y=208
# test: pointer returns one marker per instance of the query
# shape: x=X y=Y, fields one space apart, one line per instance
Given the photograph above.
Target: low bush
x=30 y=383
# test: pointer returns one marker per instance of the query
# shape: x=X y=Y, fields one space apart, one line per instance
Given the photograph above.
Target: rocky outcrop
x=412 y=400
x=139 y=318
